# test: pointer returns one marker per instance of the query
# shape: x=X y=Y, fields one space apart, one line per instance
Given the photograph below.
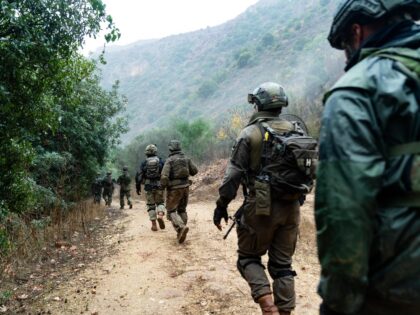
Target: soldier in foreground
x=108 y=188
x=149 y=175
x=175 y=178
x=368 y=183
x=124 y=181
x=96 y=189
x=271 y=211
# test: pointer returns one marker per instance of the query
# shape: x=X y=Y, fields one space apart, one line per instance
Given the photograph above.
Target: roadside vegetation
x=57 y=124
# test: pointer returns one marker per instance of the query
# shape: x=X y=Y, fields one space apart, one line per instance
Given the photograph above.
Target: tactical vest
x=408 y=63
x=152 y=168
x=179 y=169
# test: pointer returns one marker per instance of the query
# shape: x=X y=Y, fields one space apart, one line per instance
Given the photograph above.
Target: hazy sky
x=146 y=19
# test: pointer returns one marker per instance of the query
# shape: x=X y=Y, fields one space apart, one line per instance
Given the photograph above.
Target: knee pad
x=161 y=208
x=280 y=270
x=151 y=208
x=244 y=261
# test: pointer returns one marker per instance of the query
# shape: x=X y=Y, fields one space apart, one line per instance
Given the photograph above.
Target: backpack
x=179 y=168
x=153 y=167
x=288 y=159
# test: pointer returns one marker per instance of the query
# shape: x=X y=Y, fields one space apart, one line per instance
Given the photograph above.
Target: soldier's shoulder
x=366 y=74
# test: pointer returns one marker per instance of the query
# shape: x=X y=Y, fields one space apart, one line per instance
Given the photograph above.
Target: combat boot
x=131 y=206
x=154 y=226
x=122 y=207
x=160 y=221
x=267 y=305
x=182 y=234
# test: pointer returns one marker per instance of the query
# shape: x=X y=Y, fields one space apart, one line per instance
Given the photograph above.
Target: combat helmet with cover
x=269 y=96
x=365 y=12
x=174 y=145
x=150 y=150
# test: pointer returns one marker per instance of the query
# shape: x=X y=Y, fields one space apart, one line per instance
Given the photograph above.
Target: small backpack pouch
x=262 y=195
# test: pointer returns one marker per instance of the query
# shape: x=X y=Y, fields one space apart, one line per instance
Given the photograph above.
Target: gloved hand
x=219 y=214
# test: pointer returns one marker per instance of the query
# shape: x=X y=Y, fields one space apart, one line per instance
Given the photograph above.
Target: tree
x=39 y=68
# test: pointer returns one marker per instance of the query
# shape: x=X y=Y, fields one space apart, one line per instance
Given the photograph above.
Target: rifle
x=236 y=219
x=238 y=214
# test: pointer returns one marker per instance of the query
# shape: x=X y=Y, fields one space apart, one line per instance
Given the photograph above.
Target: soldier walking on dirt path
x=108 y=188
x=271 y=212
x=124 y=181
x=175 y=178
x=96 y=189
x=149 y=175
x=368 y=183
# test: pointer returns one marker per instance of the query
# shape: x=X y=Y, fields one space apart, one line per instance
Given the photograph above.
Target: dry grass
x=29 y=239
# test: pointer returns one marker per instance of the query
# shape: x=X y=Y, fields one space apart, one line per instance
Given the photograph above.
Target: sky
x=151 y=19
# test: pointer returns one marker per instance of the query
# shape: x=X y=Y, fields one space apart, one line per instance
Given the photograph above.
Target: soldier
x=149 y=175
x=108 y=188
x=175 y=178
x=270 y=219
x=124 y=181
x=96 y=189
x=368 y=184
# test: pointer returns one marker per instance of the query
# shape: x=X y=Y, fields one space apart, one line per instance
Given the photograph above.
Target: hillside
x=206 y=72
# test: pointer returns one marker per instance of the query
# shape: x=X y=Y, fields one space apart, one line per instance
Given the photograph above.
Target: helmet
x=151 y=149
x=174 y=145
x=109 y=173
x=125 y=168
x=269 y=95
x=364 y=12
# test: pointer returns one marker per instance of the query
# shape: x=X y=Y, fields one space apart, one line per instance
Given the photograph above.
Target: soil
x=152 y=274
x=122 y=267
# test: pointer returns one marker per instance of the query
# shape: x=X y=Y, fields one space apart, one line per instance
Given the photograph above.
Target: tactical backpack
x=179 y=168
x=288 y=159
x=152 y=167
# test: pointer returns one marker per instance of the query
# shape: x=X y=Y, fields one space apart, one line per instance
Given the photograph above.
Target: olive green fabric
x=368 y=248
x=176 y=203
x=275 y=231
x=155 y=203
x=176 y=171
x=124 y=194
x=124 y=181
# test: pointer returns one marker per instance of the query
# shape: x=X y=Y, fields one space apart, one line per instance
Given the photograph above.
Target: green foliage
x=56 y=122
x=243 y=58
x=196 y=137
x=207 y=89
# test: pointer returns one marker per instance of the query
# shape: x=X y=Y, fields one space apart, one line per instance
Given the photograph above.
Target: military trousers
x=97 y=197
x=107 y=195
x=126 y=194
x=155 y=203
x=276 y=234
x=176 y=203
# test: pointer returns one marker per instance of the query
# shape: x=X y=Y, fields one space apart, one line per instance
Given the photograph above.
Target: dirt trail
x=153 y=274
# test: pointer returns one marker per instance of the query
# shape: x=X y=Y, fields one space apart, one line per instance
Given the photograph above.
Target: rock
x=22 y=297
x=3 y=309
x=60 y=244
x=57 y=299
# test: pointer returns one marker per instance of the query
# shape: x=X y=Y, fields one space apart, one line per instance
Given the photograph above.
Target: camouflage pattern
x=108 y=189
x=125 y=181
x=268 y=96
x=152 y=187
x=155 y=203
x=368 y=242
x=275 y=233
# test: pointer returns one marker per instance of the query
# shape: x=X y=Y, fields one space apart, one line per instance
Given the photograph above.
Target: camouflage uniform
x=175 y=178
x=368 y=183
x=276 y=233
x=154 y=192
x=108 y=189
x=124 y=181
x=96 y=188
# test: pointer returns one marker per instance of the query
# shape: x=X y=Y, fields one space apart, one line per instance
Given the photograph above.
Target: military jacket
x=245 y=160
x=124 y=181
x=368 y=247
x=176 y=160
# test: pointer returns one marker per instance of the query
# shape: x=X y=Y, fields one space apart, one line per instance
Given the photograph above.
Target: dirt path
x=153 y=274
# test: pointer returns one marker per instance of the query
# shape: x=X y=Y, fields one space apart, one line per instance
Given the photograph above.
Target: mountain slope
x=204 y=73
